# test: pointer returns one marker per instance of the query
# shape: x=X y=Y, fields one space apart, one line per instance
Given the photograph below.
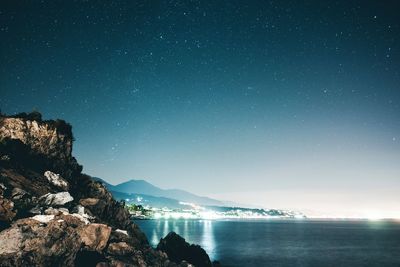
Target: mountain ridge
x=141 y=186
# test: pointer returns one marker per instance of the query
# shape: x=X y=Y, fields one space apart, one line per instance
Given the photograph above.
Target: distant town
x=193 y=211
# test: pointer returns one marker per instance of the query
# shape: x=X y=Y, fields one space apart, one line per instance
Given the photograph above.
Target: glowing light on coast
x=374 y=216
x=209 y=215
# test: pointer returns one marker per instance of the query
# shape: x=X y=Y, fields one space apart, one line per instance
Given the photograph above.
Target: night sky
x=280 y=104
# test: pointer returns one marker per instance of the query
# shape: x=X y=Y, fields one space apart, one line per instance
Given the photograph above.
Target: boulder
x=58 y=199
x=120 y=249
x=43 y=218
x=178 y=250
x=30 y=242
x=122 y=232
x=6 y=210
x=17 y=193
x=56 y=180
x=95 y=236
x=89 y=202
x=83 y=212
x=56 y=212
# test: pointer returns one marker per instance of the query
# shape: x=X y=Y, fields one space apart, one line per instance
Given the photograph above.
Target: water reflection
x=154 y=238
x=196 y=232
x=286 y=243
x=166 y=228
x=208 y=240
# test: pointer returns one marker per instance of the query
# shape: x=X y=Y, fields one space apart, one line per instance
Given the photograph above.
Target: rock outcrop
x=178 y=249
x=53 y=215
x=50 y=138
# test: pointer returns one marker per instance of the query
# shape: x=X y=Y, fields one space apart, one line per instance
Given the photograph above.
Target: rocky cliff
x=53 y=215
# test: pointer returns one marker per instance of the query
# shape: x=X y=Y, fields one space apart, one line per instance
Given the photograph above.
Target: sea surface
x=287 y=242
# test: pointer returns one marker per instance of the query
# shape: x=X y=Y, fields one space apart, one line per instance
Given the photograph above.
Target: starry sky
x=279 y=104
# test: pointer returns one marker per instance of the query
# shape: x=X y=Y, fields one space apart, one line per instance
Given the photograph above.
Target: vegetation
x=32 y=116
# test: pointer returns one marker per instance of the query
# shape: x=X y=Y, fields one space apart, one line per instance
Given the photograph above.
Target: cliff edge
x=53 y=215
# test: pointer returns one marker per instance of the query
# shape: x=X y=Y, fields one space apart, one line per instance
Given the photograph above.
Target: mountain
x=147 y=200
x=51 y=214
x=146 y=188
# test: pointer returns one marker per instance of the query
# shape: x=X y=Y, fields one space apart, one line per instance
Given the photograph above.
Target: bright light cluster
x=197 y=212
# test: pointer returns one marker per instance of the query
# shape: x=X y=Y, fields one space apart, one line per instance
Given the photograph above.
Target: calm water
x=287 y=242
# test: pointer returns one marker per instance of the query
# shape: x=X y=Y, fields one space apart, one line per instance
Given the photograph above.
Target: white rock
x=81 y=212
x=122 y=231
x=57 y=199
x=56 y=180
x=43 y=218
x=80 y=217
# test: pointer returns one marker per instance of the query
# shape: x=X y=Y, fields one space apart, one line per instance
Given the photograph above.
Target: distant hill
x=142 y=187
x=147 y=200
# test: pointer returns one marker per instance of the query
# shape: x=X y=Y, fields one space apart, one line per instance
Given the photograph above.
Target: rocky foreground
x=53 y=215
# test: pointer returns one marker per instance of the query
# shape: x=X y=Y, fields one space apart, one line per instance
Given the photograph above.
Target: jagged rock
x=6 y=210
x=56 y=212
x=22 y=179
x=80 y=211
x=17 y=193
x=43 y=137
x=56 y=180
x=30 y=242
x=41 y=226
x=23 y=202
x=122 y=232
x=81 y=218
x=36 y=210
x=120 y=249
x=178 y=250
x=10 y=241
x=2 y=188
x=121 y=236
x=95 y=236
x=58 y=199
x=88 y=202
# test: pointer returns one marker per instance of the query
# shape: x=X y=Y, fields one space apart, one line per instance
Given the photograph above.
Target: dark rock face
x=53 y=215
x=178 y=250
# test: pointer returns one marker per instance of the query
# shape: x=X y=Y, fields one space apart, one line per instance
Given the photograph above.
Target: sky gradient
x=280 y=104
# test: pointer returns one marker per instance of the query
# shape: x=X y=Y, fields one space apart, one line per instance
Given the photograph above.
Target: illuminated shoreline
x=199 y=213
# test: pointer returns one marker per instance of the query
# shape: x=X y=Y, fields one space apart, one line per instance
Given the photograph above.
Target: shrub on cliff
x=32 y=116
x=62 y=126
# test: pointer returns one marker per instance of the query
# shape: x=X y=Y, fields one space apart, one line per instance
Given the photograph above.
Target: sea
x=284 y=243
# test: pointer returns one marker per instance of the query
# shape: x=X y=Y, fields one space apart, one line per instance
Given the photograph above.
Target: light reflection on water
x=208 y=240
x=287 y=243
x=194 y=231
